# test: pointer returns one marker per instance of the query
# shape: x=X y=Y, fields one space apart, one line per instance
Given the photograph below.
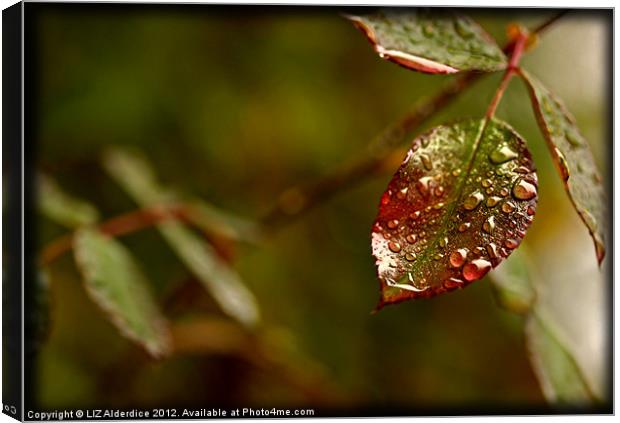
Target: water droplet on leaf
x=457 y=258
x=489 y=225
x=426 y=161
x=394 y=246
x=508 y=207
x=492 y=201
x=464 y=226
x=473 y=200
x=392 y=224
x=523 y=190
x=502 y=154
x=476 y=269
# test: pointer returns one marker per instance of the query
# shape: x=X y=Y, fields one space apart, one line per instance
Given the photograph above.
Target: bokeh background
x=236 y=104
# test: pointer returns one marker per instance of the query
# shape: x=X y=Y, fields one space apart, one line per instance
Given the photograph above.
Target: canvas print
x=286 y=211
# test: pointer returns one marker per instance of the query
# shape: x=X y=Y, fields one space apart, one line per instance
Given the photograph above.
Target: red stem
x=513 y=67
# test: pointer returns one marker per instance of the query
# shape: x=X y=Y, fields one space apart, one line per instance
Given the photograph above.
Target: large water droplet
x=487 y=183
x=502 y=154
x=473 y=200
x=415 y=215
x=410 y=238
x=443 y=242
x=457 y=258
x=394 y=246
x=489 y=225
x=523 y=190
x=476 y=269
x=402 y=194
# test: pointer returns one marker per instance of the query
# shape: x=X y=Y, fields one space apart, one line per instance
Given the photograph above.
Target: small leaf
x=220 y=279
x=560 y=377
x=137 y=178
x=116 y=284
x=61 y=207
x=460 y=202
x=512 y=283
x=573 y=159
x=432 y=41
x=213 y=220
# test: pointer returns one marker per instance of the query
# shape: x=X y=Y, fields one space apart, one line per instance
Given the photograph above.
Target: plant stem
x=118 y=226
x=513 y=66
x=297 y=200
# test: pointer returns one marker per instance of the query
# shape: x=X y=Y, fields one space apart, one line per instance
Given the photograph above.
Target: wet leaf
x=61 y=207
x=459 y=204
x=512 y=283
x=432 y=41
x=559 y=375
x=115 y=283
x=573 y=159
x=137 y=178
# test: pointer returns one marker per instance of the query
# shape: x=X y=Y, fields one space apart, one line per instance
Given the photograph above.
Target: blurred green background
x=236 y=104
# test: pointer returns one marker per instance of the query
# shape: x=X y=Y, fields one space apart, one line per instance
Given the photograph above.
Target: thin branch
x=546 y=24
x=118 y=226
x=517 y=52
x=299 y=199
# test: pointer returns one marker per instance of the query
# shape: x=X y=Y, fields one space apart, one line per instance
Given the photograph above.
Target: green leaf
x=116 y=284
x=137 y=178
x=512 y=283
x=213 y=220
x=564 y=338
x=459 y=204
x=560 y=377
x=61 y=207
x=573 y=159
x=432 y=41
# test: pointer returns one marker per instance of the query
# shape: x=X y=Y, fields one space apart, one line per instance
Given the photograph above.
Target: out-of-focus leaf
x=460 y=203
x=432 y=41
x=560 y=377
x=61 y=207
x=573 y=159
x=137 y=178
x=116 y=284
x=563 y=336
x=213 y=220
x=512 y=283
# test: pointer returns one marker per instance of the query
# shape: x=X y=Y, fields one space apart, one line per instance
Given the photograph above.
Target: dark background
x=236 y=104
